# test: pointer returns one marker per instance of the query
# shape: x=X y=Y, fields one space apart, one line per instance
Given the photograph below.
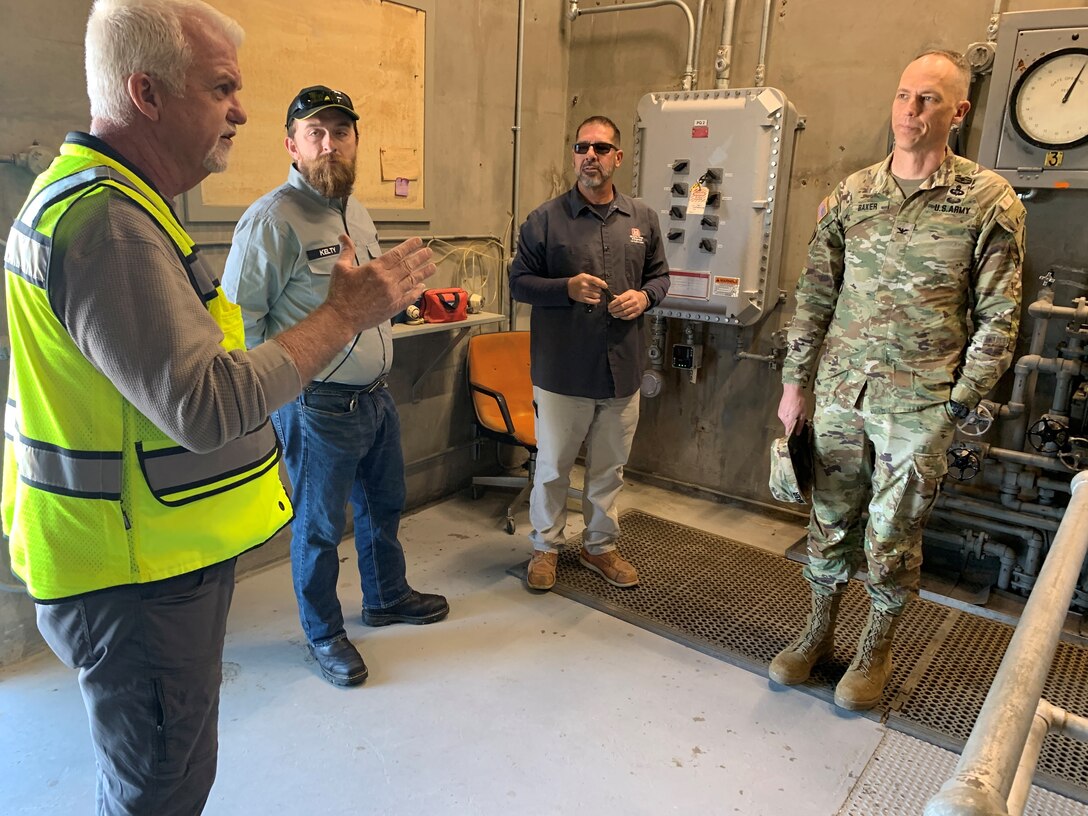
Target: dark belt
x=345 y=388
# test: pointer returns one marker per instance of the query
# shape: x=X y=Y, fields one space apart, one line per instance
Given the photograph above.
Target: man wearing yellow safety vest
x=139 y=461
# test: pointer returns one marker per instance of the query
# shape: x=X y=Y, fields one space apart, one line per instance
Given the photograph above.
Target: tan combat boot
x=815 y=643
x=863 y=684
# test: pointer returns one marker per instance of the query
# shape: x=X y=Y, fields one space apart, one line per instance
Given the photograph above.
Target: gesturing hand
x=368 y=294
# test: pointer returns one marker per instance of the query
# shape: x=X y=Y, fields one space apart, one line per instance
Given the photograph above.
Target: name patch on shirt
x=954 y=209
x=866 y=207
x=322 y=252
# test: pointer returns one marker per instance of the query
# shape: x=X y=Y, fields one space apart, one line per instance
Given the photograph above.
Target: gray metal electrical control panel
x=715 y=165
x=1035 y=133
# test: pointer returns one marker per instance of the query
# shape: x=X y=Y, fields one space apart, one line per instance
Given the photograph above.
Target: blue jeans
x=342 y=444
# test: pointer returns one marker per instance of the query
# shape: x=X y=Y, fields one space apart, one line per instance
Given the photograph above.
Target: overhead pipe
x=761 y=66
x=515 y=195
x=688 y=81
x=515 y=183
x=990 y=765
x=723 y=61
x=699 y=14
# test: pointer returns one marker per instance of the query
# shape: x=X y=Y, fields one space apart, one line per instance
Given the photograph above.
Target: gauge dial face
x=1049 y=103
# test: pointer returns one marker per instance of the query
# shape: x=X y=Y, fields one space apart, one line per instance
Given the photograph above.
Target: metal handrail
x=993 y=776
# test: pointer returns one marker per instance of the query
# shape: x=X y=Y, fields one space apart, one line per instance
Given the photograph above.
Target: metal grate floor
x=905 y=773
x=743 y=605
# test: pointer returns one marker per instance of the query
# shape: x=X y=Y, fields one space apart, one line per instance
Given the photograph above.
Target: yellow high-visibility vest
x=94 y=494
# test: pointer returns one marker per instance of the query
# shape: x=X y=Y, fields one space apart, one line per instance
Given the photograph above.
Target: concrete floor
x=519 y=703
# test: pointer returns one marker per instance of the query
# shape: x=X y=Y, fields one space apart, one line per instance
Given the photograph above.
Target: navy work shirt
x=575 y=349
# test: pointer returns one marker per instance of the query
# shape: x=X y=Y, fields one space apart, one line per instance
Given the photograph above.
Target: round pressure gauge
x=1049 y=103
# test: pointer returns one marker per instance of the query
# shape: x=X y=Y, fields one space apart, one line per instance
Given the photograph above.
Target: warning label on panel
x=725 y=287
x=697 y=197
x=700 y=129
x=689 y=284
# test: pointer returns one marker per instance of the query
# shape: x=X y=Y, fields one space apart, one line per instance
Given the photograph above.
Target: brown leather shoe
x=611 y=566
x=541 y=571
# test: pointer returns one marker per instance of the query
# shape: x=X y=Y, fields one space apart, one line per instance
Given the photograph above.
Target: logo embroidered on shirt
x=636 y=236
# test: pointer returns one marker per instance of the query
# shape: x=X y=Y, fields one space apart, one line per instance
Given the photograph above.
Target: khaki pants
x=607 y=426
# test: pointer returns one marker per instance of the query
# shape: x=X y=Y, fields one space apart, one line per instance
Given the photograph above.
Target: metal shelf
x=460 y=328
x=401 y=330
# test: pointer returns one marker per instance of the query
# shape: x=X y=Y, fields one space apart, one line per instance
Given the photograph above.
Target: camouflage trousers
x=894 y=463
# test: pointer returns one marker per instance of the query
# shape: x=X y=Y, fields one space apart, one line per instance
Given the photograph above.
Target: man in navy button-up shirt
x=590 y=262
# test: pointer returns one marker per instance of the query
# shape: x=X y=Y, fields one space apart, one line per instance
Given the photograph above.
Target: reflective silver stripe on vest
x=10 y=428
x=83 y=474
x=175 y=469
x=60 y=189
x=27 y=255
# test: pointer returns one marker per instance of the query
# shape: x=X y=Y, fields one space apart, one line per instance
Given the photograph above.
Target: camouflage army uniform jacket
x=916 y=300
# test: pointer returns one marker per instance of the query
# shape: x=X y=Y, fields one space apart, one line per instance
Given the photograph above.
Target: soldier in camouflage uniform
x=913 y=289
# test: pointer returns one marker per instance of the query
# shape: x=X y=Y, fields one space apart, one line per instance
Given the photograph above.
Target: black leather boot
x=340 y=662
x=416 y=608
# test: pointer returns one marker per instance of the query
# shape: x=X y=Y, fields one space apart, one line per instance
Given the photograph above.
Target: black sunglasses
x=600 y=148
x=318 y=96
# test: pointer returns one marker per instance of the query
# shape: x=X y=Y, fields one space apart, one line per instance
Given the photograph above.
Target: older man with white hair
x=141 y=462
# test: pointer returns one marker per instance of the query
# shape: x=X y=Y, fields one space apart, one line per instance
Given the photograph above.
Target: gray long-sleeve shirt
x=124 y=296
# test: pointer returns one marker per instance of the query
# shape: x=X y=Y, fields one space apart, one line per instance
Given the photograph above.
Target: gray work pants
x=150 y=660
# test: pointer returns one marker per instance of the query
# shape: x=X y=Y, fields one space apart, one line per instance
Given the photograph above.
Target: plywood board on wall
x=372 y=50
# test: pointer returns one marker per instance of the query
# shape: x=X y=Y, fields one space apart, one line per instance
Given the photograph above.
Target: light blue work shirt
x=280 y=264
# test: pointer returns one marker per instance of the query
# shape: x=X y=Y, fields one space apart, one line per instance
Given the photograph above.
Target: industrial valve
x=963 y=462
x=1048 y=435
x=978 y=421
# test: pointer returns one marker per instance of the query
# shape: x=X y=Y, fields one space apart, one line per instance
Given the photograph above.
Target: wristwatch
x=958 y=409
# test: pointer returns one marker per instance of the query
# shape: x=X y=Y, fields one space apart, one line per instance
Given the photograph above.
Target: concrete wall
x=839 y=64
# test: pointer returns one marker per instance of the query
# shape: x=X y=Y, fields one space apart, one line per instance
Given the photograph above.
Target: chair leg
x=522 y=497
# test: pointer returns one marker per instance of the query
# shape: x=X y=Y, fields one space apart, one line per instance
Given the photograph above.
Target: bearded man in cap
x=341 y=436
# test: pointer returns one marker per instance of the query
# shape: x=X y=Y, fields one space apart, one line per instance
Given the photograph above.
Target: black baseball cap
x=317 y=98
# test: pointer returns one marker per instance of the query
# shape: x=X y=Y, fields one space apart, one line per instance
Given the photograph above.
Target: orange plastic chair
x=502 y=395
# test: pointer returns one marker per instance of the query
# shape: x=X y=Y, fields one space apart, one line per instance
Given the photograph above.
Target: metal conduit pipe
x=1025 y=379
x=1029 y=758
x=1065 y=369
x=1044 y=483
x=1063 y=389
x=1035 y=508
x=699 y=14
x=689 y=70
x=1038 y=460
x=1033 y=539
x=723 y=62
x=761 y=66
x=960 y=543
x=985 y=774
x=1076 y=314
x=515 y=191
x=996 y=512
x=1048 y=718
